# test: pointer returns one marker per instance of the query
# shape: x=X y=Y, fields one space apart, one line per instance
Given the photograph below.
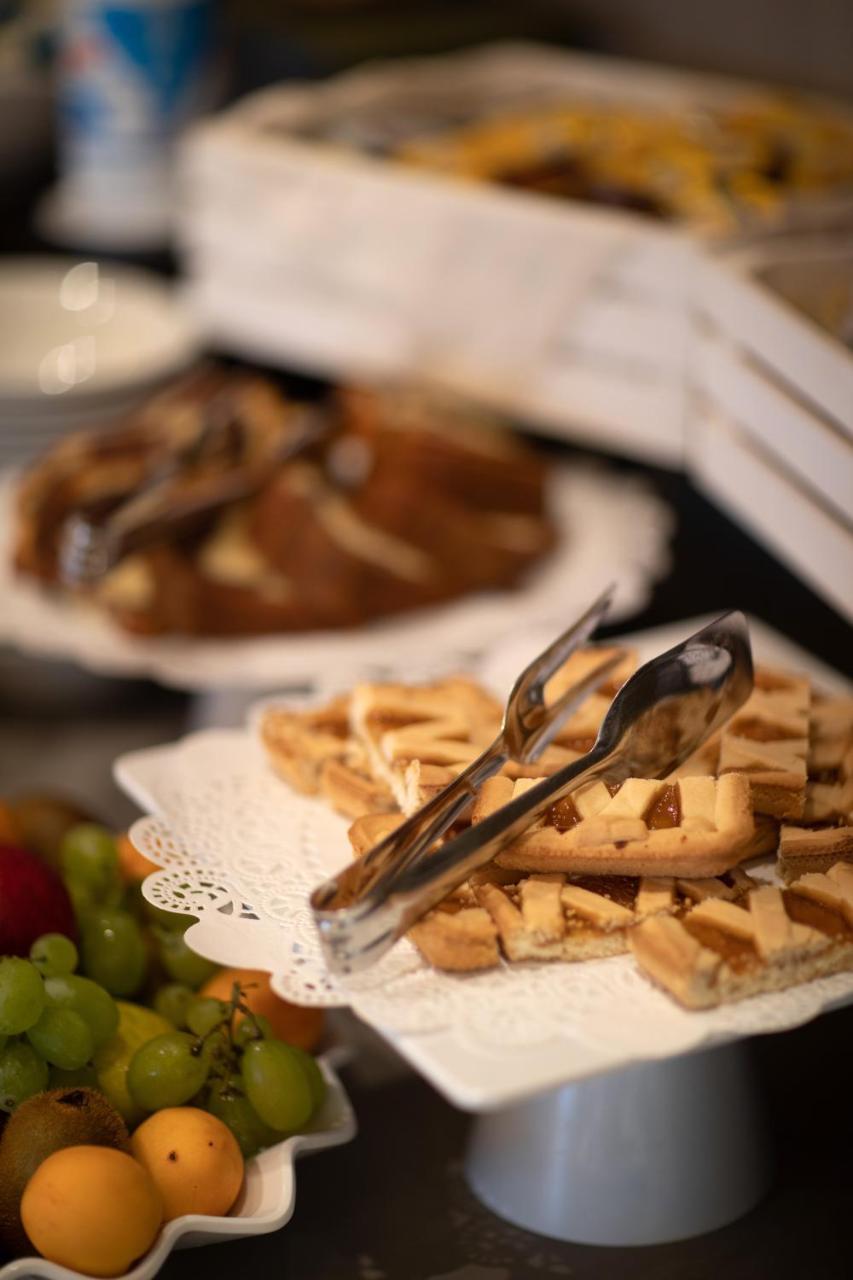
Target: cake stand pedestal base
x=659 y=1152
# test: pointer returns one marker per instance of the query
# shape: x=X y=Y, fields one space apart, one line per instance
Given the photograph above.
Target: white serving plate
x=241 y=851
x=611 y=529
x=266 y=1202
x=78 y=330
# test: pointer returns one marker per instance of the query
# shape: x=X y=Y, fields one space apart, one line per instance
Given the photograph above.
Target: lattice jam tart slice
x=500 y=913
x=768 y=742
x=826 y=833
x=417 y=738
x=774 y=939
x=551 y=917
x=692 y=826
x=315 y=753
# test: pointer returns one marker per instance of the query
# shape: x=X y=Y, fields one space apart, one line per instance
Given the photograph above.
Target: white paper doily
x=612 y=529
x=242 y=851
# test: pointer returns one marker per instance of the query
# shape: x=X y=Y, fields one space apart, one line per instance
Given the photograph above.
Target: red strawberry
x=33 y=901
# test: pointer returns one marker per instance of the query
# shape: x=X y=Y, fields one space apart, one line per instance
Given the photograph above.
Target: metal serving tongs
x=659 y=717
x=527 y=729
x=91 y=545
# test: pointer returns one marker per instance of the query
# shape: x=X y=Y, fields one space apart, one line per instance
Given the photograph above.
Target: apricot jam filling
x=665 y=810
x=762 y=731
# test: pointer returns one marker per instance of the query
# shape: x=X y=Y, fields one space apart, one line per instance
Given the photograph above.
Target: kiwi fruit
x=45 y=1123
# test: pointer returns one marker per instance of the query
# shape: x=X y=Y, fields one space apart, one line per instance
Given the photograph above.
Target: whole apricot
x=133 y=865
x=92 y=1209
x=193 y=1158
x=295 y=1023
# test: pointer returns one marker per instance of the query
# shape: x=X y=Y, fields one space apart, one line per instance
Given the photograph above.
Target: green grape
x=182 y=964
x=95 y=1005
x=316 y=1079
x=255 y=1028
x=82 y=899
x=85 y=1075
x=276 y=1084
x=230 y=1105
x=172 y=1002
x=205 y=1013
x=21 y=995
x=167 y=1071
x=62 y=1038
x=89 y=858
x=22 y=1073
x=53 y=954
x=114 y=951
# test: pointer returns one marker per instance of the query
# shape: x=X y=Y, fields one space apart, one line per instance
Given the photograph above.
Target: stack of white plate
x=81 y=343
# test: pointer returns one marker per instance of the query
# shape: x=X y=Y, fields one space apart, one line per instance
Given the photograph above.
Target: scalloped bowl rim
x=265 y=1204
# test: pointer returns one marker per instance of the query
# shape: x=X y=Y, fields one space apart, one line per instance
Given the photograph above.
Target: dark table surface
x=394 y=1204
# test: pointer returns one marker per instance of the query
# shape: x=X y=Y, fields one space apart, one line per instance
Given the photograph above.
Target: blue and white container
x=131 y=75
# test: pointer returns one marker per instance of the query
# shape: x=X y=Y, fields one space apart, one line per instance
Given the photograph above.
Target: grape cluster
x=51 y=1020
x=220 y=1056
x=223 y=1057
x=126 y=945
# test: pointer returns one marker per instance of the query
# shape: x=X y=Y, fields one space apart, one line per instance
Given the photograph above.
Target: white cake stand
x=655 y=1153
x=627 y=1121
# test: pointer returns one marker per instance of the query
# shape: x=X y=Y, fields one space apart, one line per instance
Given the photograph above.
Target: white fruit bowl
x=265 y=1204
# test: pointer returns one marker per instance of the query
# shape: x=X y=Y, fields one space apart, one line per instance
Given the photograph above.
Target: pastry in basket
x=772 y=939
x=395 y=502
x=715 y=168
x=824 y=833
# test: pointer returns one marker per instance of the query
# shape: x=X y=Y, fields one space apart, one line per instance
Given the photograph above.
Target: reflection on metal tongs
x=659 y=717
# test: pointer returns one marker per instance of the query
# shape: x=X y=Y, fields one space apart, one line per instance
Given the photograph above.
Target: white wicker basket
x=771 y=427
x=316 y=255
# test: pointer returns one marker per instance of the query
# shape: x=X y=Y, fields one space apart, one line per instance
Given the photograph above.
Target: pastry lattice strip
x=773 y=939
x=825 y=833
x=768 y=742
x=690 y=826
